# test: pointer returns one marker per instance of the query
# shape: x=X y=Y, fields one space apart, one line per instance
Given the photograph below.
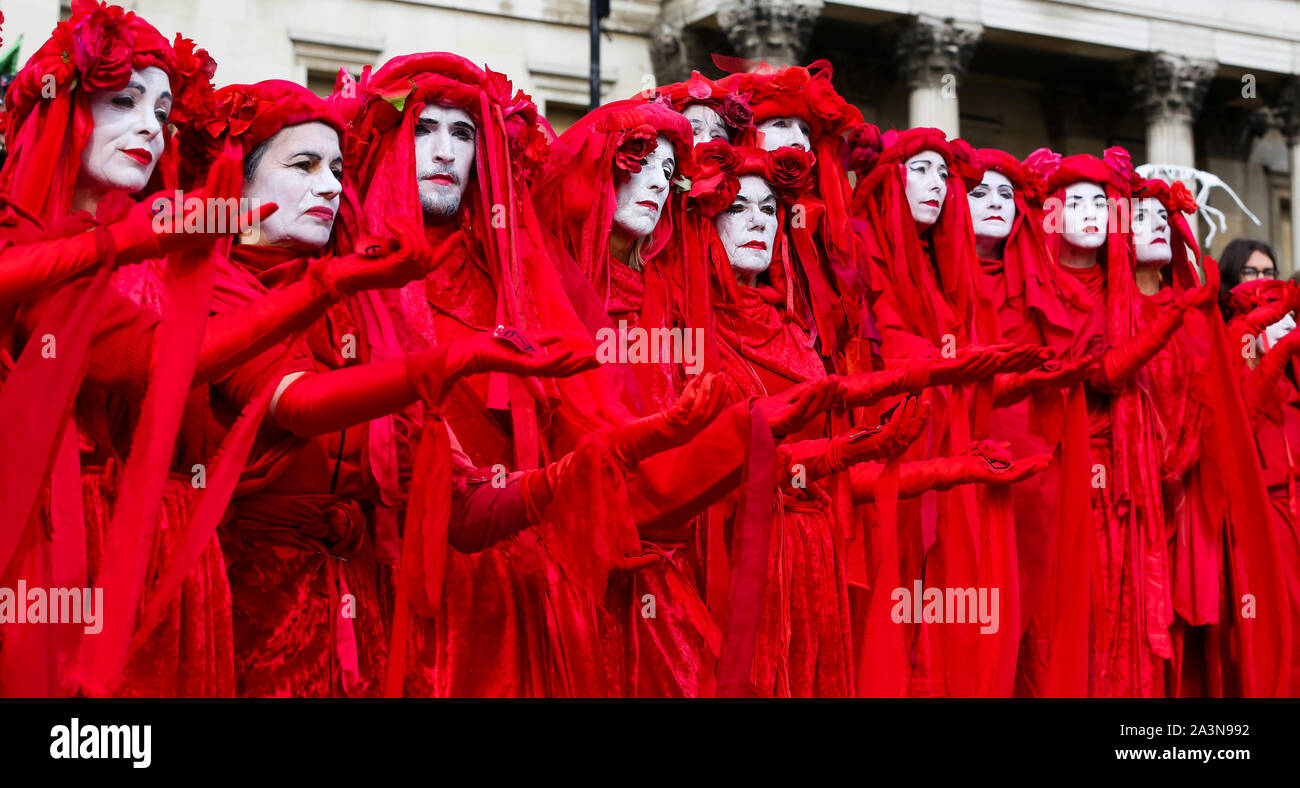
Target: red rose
x=863 y=148
x=736 y=111
x=1180 y=198
x=633 y=146
x=713 y=157
x=791 y=171
x=714 y=193
x=102 y=49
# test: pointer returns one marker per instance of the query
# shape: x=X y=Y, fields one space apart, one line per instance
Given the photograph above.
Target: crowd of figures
x=721 y=392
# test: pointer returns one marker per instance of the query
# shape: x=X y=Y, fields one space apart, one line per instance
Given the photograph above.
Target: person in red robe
x=1128 y=645
x=1272 y=397
x=540 y=594
x=1213 y=486
x=913 y=202
x=804 y=644
x=1042 y=412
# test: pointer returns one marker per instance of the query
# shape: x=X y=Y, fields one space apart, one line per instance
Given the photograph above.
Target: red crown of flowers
x=718 y=167
x=796 y=92
x=97 y=48
x=1174 y=196
x=733 y=108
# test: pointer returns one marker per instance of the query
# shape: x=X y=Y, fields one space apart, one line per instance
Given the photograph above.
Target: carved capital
x=931 y=49
x=1171 y=87
x=1287 y=112
x=775 y=31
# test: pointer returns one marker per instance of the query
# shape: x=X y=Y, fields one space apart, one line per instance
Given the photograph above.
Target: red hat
x=733 y=108
x=715 y=180
x=95 y=49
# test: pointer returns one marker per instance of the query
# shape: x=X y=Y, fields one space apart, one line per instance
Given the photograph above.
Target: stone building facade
x=1209 y=84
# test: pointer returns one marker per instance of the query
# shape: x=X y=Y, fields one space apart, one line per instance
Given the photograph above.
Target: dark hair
x=254 y=158
x=1233 y=259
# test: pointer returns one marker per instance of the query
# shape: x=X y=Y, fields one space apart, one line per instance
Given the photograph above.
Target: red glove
x=434 y=372
x=335 y=400
x=159 y=225
x=900 y=428
x=1264 y=302
x=638 y=440
x=1265 y=376
x=701 y=401
x=1010 y=389
x=911 y=376
x=381 y=262
x=1123 y=361
x=1208 y=292
x=984 y=462
x=792 y=409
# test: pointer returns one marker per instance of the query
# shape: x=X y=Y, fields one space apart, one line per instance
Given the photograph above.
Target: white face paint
x=127 y=138
x=444 y=156
x=1151 y=234
x=1084 y=215
x=747 y=228
x=787 y=132
x=927 y=185
x=301 y=171
x=992 y=206
x=641 y=199
x=706 y=124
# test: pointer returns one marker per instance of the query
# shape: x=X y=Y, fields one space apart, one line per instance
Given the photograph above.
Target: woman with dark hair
x=1244 y=260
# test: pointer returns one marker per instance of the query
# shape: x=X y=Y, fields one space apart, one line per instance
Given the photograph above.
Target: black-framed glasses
x=1258 y=273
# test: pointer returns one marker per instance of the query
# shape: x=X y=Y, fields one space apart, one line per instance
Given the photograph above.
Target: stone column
x=1289 y=117
x=933 y=54
x=773 y=31
x=1170 y=89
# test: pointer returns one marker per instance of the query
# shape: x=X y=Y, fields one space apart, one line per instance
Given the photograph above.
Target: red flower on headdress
x=791 y=171
x=102 y=46
x=633 y=146
x=863 y=148
x=1041 y=164
x=1121 y=164
x=195 y=70
x=1180 y=198
x=736 y=111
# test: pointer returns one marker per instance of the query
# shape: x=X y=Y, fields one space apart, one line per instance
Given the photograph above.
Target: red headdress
x=576 y=198
x=714 y=186
x=827 y=230
x=47 y=122
x=1028 y=273
x=1178 y=201
x=914 y=275
x=733 y=108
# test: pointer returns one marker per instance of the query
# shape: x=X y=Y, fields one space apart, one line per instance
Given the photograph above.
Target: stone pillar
x=1170 y=89
x=933 y=54
x=773 y=31
x=1289 y=117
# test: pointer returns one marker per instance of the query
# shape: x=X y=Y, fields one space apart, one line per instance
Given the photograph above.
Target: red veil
x=1212 y=475
x=95 y=49
x=828 y=251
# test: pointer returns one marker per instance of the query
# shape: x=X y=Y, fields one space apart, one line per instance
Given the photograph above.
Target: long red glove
x=911 y=376
x=28 y=268
x=629 y=444
x=234 y=337
x=1123 y=361
x=792 y=409
x=1262 y=380
x=319 y=404
x=381 y=262
x=1263 y=302
x=822 y=457
x=1010 y=389
x=984 y=462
